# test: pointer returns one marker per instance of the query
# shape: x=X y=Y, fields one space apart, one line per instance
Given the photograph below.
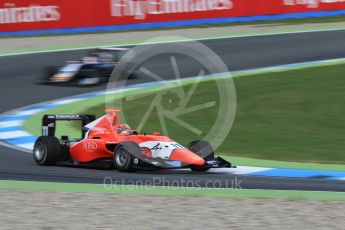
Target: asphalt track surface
x=17 y=89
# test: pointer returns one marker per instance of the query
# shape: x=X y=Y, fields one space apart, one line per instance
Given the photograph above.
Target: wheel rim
x=39 y=151
x=121 y=157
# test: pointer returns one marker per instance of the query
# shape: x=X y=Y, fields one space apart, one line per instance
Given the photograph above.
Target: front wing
x=216 y=162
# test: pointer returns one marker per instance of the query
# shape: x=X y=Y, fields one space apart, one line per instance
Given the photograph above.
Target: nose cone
x=186 y=156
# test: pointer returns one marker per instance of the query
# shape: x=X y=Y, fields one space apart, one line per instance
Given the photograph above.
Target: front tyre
x=202 y=149
x=124 y=155
x=47 y=150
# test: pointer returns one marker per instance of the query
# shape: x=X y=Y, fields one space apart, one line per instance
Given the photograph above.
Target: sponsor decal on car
x=63 y=116
x=161 y=149
x=90 y=146
x=99 y=129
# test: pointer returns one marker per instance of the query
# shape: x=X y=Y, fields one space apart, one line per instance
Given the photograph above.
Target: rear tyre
x=202 y=149
x=47 y=150
x=124 y=156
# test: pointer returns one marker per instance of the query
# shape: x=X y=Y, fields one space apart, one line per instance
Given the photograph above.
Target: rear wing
x=49 y=122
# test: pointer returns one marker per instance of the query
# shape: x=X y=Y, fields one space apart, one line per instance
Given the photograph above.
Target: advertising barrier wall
x=30 y=15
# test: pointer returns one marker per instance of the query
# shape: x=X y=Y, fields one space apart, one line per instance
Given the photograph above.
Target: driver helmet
x=124 y=128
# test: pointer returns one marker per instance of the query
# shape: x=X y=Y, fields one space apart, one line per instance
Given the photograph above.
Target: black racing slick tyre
x=47 y=150
x=124 y=155
x=202 y=149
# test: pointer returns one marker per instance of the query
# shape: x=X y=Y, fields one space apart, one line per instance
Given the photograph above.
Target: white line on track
x=28 y=146
x=67 y=101
x=341 y=178
x=240 y=170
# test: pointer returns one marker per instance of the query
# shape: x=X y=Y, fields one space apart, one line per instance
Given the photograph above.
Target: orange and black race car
x=106 y=143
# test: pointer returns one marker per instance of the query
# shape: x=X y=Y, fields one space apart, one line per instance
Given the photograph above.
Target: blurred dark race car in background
x=94 y=69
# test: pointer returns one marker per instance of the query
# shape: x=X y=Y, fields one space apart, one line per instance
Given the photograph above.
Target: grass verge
x=171 y=191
